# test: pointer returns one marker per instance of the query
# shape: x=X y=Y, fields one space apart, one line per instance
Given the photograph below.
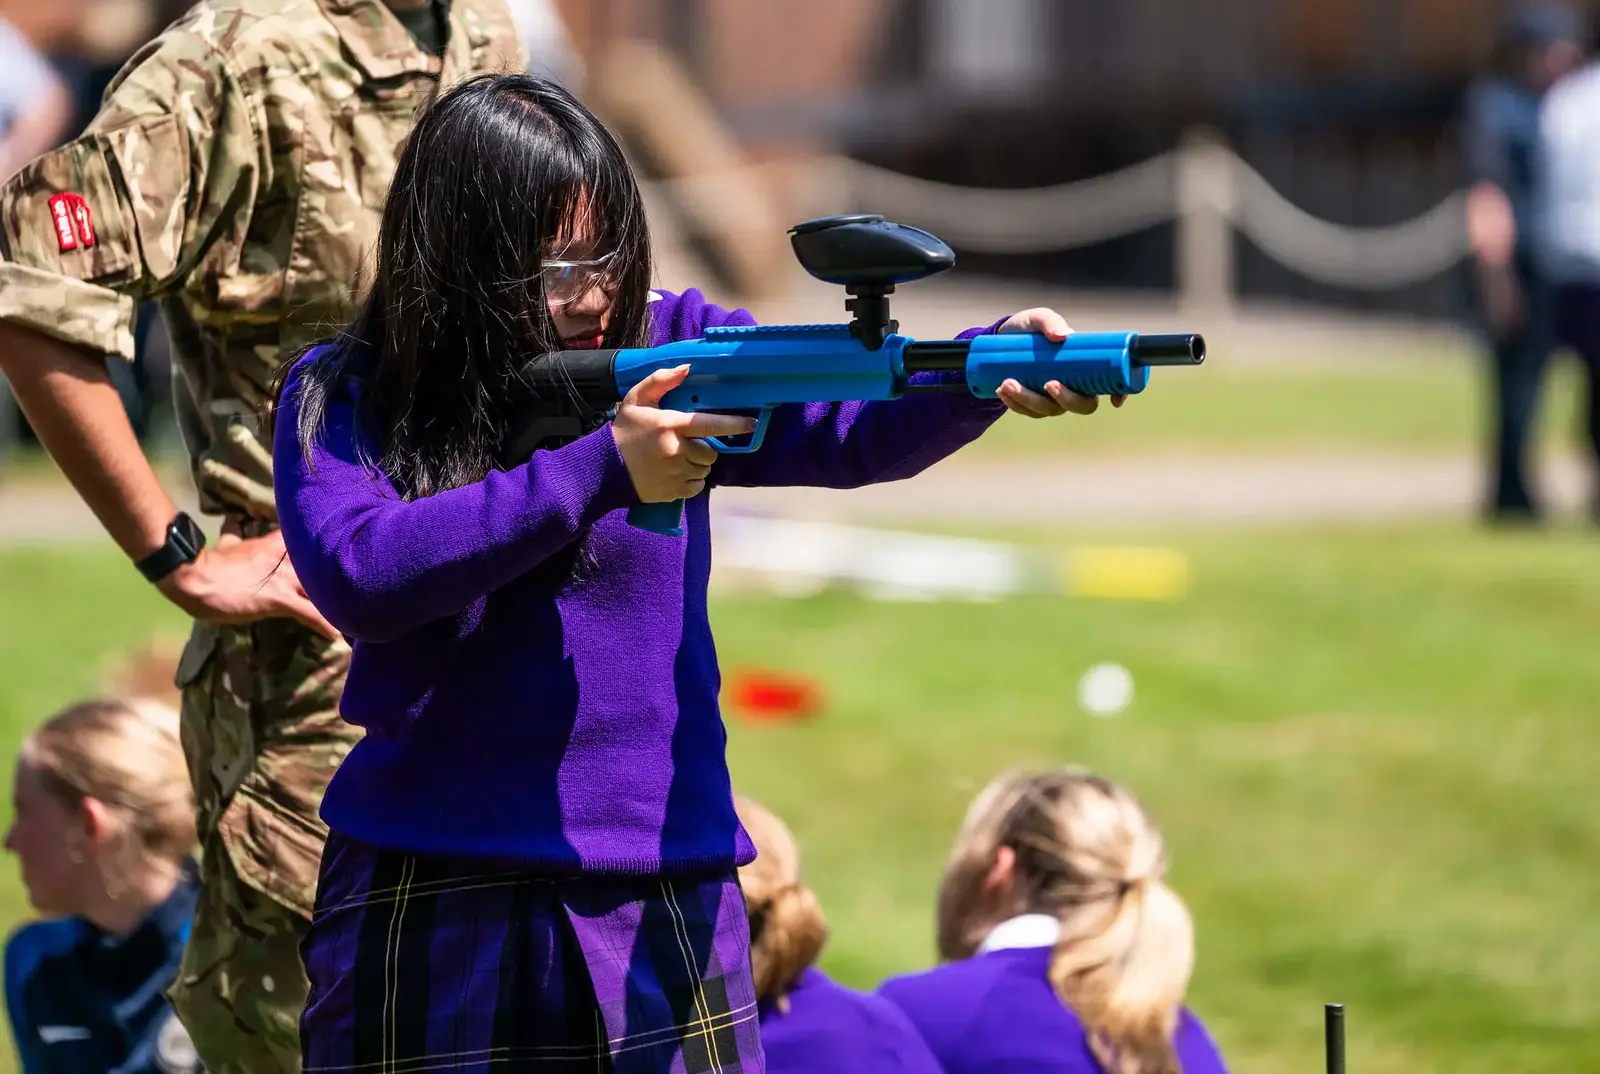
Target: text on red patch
x=73 y=222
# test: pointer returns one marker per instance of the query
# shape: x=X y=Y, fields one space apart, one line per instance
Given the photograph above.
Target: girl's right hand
x=664 y=450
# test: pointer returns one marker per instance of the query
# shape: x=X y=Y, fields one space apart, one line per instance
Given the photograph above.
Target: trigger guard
x=756 y=438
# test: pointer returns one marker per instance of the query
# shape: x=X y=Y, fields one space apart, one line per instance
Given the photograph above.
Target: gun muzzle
x=1180 y=349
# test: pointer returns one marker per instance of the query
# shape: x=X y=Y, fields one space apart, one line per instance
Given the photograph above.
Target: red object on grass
x=774 y=695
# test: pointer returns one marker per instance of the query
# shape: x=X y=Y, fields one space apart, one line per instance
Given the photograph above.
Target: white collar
x=1028 y=930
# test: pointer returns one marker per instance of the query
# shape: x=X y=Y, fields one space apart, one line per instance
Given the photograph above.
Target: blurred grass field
x=1372 y=753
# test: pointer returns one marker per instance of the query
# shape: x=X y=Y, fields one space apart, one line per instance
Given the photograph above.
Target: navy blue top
x=997 y=1014
x=85 y=1002
x=1502 y=145
x=830 y=1029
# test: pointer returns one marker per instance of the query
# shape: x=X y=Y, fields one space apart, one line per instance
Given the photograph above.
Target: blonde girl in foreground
x=1068 y=951
x=809 y=1024
x=103 y=829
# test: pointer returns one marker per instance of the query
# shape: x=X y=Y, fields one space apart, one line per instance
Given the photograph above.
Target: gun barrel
x=1179 y=349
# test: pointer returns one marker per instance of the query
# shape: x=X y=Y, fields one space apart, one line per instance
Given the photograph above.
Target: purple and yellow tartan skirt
x=421 y=964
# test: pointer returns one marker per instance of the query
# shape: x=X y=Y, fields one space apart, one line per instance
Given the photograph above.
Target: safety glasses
x=565 y=282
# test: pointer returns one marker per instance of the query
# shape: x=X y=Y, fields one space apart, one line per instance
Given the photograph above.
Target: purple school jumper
x=532 y=848
x=996 y=1013
x=830 y=1029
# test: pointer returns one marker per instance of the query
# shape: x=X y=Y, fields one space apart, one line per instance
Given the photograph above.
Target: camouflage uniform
x=236 y=174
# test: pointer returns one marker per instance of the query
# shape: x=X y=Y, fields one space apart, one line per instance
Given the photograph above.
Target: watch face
x=189 y=534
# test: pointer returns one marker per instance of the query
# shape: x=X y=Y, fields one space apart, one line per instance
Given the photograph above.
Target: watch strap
x=184 y=542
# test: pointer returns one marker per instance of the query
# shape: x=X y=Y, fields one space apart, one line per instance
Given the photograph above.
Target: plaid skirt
x=422 y=964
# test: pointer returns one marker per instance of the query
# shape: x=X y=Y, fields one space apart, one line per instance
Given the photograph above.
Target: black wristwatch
x=184 y=541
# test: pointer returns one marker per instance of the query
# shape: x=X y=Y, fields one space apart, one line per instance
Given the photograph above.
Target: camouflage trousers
x=262 y=736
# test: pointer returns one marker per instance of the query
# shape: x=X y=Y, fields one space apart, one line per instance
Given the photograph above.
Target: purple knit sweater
x=997 y=1013
x=518 y=709
x=830 y=1029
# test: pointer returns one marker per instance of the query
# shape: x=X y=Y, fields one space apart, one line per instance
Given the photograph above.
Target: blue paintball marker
x=758 y=369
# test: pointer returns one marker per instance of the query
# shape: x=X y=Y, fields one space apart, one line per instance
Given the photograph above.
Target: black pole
x=1183 y=349
x=1333 y=1024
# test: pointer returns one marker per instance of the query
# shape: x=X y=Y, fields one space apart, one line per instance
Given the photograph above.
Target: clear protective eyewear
x=565 y=282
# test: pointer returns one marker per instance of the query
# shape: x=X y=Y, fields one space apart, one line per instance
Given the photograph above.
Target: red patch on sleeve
x=73 y=222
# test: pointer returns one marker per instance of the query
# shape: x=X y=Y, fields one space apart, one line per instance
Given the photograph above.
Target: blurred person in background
x=36 y=108
x=109 y=33
x=234 y=174
x=103 y=830
x=1569 y=203
x=809 y=1024
x=1539 y=44
x=1068 y=953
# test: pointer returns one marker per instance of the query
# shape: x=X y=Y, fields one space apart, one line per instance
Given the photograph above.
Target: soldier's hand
x=239 y=580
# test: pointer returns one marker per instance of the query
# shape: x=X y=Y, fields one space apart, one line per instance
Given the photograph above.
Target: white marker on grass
x=1105 y=690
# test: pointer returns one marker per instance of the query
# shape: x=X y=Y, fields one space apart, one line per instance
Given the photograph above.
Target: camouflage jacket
x=236 y=173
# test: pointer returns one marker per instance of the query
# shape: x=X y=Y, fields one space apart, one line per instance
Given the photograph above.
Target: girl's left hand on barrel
x=1057 y=399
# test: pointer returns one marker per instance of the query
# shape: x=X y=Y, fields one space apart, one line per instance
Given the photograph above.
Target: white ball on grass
x=1105 y=690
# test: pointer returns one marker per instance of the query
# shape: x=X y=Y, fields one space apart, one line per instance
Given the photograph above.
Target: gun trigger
x=756 y=437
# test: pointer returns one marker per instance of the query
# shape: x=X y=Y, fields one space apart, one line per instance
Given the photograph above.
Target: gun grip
x=663 y=518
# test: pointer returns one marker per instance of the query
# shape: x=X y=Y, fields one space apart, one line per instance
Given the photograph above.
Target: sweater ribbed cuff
x=595 y=459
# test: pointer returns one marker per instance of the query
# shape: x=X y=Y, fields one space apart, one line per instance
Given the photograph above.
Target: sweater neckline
x=1022 y=932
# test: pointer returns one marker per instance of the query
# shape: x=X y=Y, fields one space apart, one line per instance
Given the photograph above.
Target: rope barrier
x=1208 y=178
x=1368 y=259
x=1031 y=220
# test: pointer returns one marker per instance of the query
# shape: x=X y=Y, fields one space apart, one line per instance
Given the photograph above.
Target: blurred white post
x=1206 y=201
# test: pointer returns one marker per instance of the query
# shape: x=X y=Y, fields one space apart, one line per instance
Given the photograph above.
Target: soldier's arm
x=161 y=181
x=75 y=411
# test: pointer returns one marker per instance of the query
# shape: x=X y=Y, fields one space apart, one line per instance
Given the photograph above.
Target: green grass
x=1372 y=754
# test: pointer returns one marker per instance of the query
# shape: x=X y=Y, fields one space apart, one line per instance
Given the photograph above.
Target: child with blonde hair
x=1068 y=951
x=103 y=829
x=809 y=1023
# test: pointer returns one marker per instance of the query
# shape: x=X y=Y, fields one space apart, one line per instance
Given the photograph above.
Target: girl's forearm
x=377 y=566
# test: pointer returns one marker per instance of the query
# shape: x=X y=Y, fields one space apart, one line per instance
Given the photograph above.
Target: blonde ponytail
x=787 y=929
x=1087 y=853
x=127 y=755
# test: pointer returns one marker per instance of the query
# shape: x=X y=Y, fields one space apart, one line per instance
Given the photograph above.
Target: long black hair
x=493 y=170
